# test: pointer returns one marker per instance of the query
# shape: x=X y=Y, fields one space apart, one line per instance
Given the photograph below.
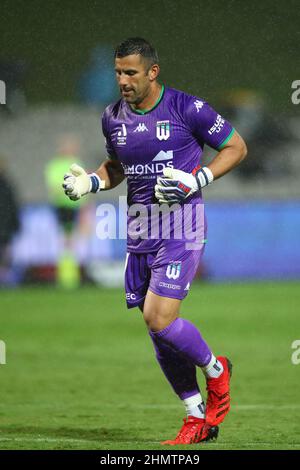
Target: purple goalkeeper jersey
x=171 y=134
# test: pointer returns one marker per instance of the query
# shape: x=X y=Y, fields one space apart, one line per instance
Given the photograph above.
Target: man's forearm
x=111 y=172
x=229 y=157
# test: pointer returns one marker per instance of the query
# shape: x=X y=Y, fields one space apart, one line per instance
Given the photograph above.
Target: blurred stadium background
x=56 y=62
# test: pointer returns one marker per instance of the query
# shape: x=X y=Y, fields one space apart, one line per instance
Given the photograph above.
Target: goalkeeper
x=155 y=137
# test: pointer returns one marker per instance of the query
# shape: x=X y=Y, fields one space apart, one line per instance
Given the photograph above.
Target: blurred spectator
x=9 y=226
x=67 y=272
x=97 y=83
x=264 y=133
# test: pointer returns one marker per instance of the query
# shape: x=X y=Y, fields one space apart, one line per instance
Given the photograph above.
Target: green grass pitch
x=80 y=372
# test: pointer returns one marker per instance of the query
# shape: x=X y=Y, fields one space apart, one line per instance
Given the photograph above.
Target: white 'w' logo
x=173 y=270
x=163 y=130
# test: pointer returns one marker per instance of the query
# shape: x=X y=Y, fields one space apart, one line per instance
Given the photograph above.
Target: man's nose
x=123 y=80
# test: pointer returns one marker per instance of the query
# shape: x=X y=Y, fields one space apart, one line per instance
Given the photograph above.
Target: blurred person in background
x=265 y=133
x=67 y=211
x=9 y=226
x=96 y=85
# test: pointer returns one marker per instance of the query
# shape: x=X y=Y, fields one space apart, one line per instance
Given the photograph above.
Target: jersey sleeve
x=108 y=142
x=206 y=124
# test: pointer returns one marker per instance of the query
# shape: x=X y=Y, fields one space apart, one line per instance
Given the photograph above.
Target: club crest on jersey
x=163 y=130
x=173 y=270
x=122 y=136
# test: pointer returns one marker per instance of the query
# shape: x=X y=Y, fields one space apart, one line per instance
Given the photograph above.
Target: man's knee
x=158 y=317
x=159 y=311
x=152 y=318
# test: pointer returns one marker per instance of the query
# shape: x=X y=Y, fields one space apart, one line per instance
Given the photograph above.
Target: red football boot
x=193 y=431
x=218 y=397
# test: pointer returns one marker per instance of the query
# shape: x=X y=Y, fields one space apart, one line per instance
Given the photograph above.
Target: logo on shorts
x=169 y=286
x=130 y=296
x=173 y=270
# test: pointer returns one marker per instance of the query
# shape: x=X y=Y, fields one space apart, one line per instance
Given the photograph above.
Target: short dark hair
x=137 y=46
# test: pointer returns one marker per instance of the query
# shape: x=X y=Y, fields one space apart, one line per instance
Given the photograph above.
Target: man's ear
x=153 y=72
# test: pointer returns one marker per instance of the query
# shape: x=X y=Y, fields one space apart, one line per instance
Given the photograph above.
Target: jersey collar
x=146 y=111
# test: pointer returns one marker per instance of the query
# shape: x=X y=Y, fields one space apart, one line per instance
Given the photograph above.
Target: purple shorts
x=167 y=272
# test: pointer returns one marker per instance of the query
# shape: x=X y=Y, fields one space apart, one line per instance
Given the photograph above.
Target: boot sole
x=230 y=366
x=212 y=434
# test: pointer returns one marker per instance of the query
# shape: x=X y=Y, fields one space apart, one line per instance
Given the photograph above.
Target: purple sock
x=180 y=373
x=183 y=337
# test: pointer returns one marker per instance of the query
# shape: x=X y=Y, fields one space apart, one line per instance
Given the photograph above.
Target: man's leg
x=160 y=312
x=180 y=347
x=180 y=373
x=172 y=272
x=176 y=356
x=161 y=315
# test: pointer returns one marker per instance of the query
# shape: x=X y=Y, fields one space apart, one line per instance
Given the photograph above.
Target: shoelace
x=213 y=386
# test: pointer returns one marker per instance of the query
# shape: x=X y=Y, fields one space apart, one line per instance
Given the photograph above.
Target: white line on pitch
x=43 y=439
x=145 y=406
x=214 y=444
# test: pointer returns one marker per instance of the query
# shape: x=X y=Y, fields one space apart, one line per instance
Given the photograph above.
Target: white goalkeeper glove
x=177 y=185
x=78 y=183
